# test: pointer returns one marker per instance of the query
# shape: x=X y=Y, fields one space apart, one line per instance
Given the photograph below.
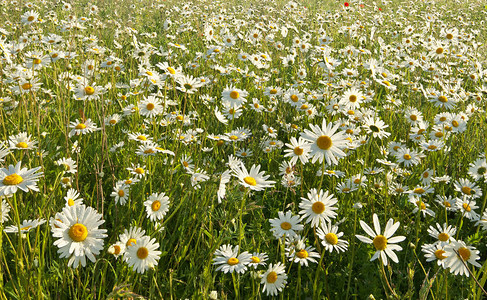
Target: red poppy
x=346 y=4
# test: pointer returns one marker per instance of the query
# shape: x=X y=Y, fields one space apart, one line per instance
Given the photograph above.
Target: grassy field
x=243 y=150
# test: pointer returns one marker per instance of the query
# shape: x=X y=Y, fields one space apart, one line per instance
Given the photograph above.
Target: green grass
x=196 y=225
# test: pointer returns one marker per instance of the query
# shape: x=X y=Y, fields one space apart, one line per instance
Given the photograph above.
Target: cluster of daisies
x=369 y=100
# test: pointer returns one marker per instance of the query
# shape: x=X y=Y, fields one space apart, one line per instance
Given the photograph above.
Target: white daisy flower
x=318 y=208
x=143 y=255
x=15 y=178
x=230 y=261
x=274 y=279
x=458 y=254
x=78 y=234
x=383 y=243
x=285 y=224
x=330 y=237
x=254 y=179
x=157 y=206
x=326 y=143
x=26 y=226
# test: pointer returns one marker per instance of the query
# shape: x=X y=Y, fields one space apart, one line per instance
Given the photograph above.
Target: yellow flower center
x=318 y=207
x=443 y=99
x=30 y=18
x=421 y=205
x=466 y=190
x=286 y=225
x=331 y=238
x=255 y=259
x=407 y=156
x=449 y=36
x=413 y=117
x=142 y=253
x=464 y=253
x=302 y=253
x=380 y=242
x=131 y=242
x=446 y=204
x=233 y=137
x=121 y=193
x=443 y=237
x=234 y=95
x=250 y=181
x=419 y=190
x=70 y=202
x=324 y=142
x=78 y=232
x=273 y=91
x=439 y=254
x=12 y=179
x=271 y=277
x=139 y=171
x=466 y=207
x=80 y=126
x=89 y=90
x=150 y=106
x=298 y=151
x=26 y=86
x=156 y=205
x=294 y=98
x=232 y=261
x=439 y=50
x=117 y=249
x=21 y=145
x=352 y=98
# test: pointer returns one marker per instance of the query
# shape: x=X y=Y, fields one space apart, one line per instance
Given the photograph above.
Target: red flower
x=346 y=4
x=380 y=9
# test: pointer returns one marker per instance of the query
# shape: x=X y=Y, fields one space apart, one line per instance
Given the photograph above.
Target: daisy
x=298 y=149
x=444 y=233
x=448 y=202
x=467 y=188
x=234 y=97
x=143 y=255
x=258 y=259
x=78 y=234
x=117 y=249
x=466 y=208
x=383 y=243
x=150 y=107
x=157 y=206
x=29 y=17
x=330 y=238
x=274 y=279
x=138 y=170
x=457 y=255
x=68 y=163
x=26 y=226
x=478 y=169
x=5 y=209
x=85 y=92
x=375 y=127
x=121 y=193
x=318 y=208
x=188 y=84
x=408 y=157
x=132 y=236
x=254 y=179
x=82 y=127
x=434 y=252
x=285 y=225
x=326 y=143
x=224 y=179
x=352 y=99
x=15 y=178
x=73 y=198
x=230 y=261
x=22 y=141
x=297 y=251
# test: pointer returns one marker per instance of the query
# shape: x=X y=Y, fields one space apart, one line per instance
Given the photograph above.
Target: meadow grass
x=186 y=131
